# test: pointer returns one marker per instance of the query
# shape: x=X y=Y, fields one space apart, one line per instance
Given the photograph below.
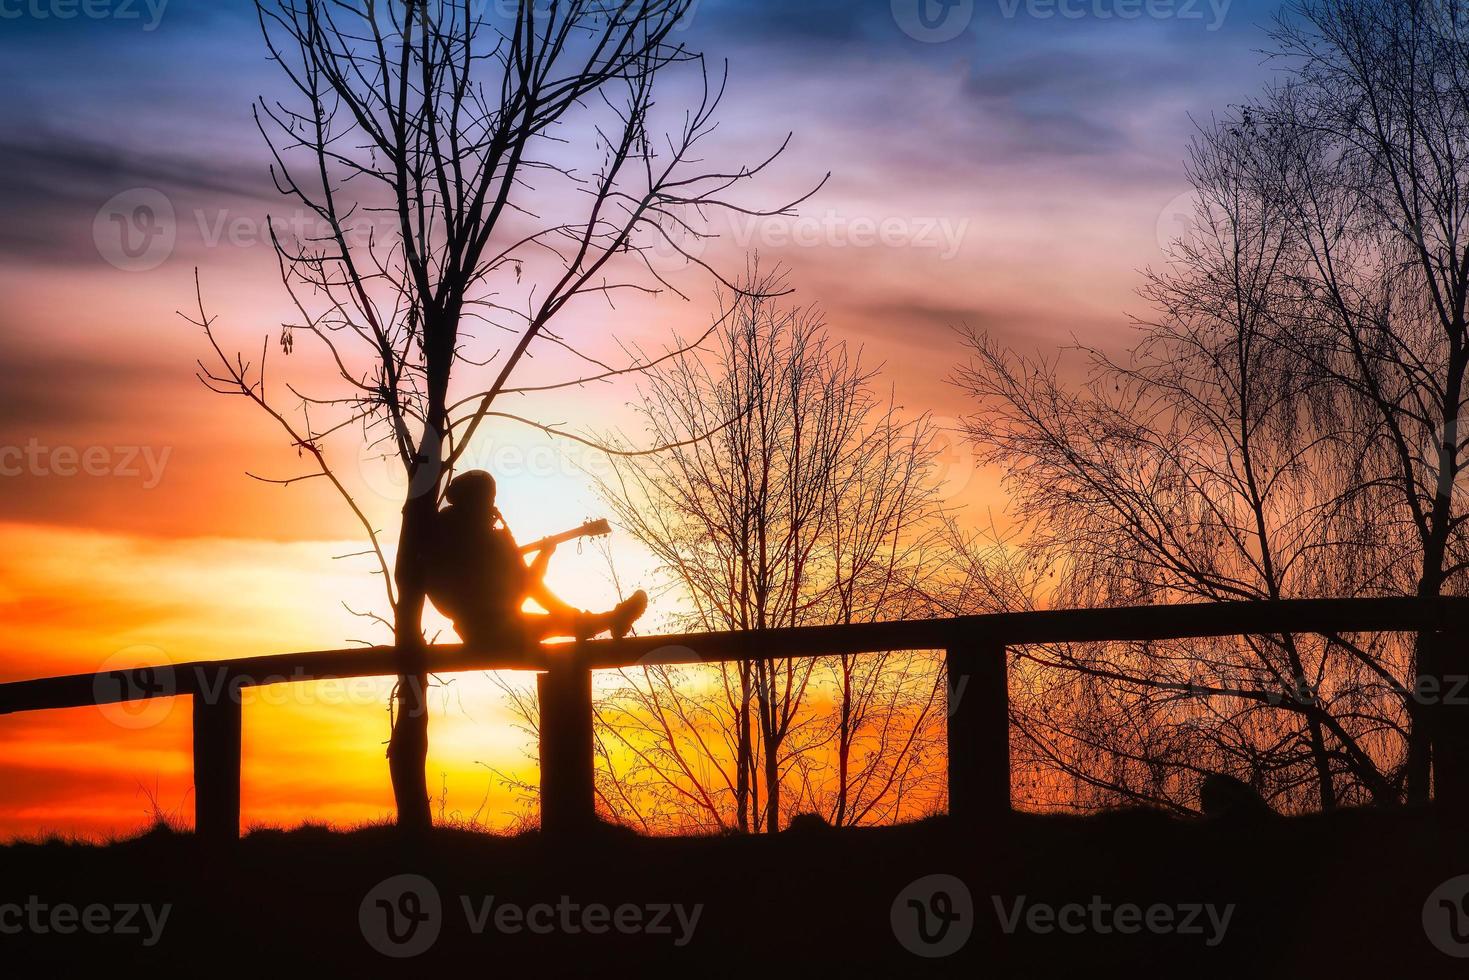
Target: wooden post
x=568 y=797
x=979 y=731
x=217 y=725
x=1449 y=709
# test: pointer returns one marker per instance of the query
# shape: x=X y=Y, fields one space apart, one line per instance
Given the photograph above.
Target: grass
x=1339 y=895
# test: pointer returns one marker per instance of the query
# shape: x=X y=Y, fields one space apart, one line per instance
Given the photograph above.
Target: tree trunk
x=1323 y=766
x=772 y=787
x=1425 y=708
x=1304 y=691
x=844 y=744
x=745 y=763
x=408 y=754
x=1420 y=730
x=408 y=747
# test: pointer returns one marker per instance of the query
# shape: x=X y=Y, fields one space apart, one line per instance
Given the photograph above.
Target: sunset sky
x=1014 y=178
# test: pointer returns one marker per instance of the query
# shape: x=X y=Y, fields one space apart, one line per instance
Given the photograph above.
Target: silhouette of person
x=478 y=579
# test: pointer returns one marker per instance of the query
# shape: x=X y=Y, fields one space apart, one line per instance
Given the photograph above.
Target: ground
x=1046 y=897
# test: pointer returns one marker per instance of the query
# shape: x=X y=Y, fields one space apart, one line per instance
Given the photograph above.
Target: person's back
x=477 y=577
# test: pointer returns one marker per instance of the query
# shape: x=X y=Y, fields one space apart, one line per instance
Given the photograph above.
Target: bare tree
x=809 y=507
x=883 y=552
x=1290 y=426
x=1372 y=137
x=470 y=170
x=1195 y=470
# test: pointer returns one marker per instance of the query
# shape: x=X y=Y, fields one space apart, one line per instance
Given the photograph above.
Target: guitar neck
x=591 y=529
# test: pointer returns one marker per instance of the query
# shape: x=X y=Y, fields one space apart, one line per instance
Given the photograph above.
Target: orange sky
x=178 y=555
x=1024 y=173
x=100 y=600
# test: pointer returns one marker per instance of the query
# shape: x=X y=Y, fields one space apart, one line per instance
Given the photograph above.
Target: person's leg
x=551 y=602
x=572 y=622
x=543 y=626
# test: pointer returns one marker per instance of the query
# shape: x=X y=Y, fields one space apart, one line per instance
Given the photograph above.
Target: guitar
x=591 y=529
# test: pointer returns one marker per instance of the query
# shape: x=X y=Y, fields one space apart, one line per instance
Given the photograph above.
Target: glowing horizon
x=1012 y=178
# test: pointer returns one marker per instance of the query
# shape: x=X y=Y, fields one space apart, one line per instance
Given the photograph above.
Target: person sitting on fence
x=478 y=579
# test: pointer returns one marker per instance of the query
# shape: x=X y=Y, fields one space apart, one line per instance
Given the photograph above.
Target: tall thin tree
x=808 y=508
x=466 y=168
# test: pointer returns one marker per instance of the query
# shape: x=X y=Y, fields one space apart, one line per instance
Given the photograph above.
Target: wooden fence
x=975 y=658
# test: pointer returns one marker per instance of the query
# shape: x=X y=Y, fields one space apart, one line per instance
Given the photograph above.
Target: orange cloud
x=74 y=599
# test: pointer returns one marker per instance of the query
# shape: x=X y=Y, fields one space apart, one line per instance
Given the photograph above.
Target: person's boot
x=627 y=612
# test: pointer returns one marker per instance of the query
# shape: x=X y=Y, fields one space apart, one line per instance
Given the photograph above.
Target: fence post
x=1450 y=725
x=217 y=727
x=567 y=769
x=979 y=730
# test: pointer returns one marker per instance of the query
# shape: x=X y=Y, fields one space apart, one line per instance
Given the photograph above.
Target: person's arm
x=542 y=593
x=541 y=563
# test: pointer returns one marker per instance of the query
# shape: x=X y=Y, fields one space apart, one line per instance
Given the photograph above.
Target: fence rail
x=974 y=646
